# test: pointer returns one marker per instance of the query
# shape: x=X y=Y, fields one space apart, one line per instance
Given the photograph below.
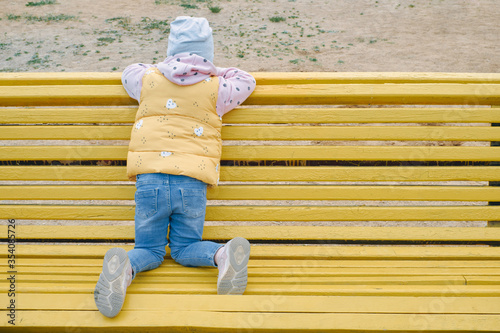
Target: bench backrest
x=310 y=158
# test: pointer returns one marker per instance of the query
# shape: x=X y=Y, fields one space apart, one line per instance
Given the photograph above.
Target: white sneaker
x=233 y=273
x=116 y=276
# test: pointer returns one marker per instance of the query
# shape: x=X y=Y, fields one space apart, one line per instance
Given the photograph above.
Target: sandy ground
x=256 y=35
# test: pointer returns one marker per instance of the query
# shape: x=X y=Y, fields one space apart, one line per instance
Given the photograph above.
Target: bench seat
x=370 y=200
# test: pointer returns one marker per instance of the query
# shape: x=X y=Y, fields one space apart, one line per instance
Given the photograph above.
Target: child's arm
x=132 y=79
x=235 y=86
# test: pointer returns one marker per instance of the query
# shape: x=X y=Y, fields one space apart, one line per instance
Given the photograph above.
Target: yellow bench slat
x=266 y=78
x=272 y=303
x=455 y=234
x=256 y=153
x=64 y=95
x=273 y=289
x=45 y=279
x=275 y=262
x=273 y=252
x=263 y=213
x=211 y=321
x=261 y=115
x=262 y=192
x=262 y=78
x=360 y=115
x=301 y=94
x=262 y=173
x=277 y=133
x=67 y=115
x=278 y=274
x=321 y=94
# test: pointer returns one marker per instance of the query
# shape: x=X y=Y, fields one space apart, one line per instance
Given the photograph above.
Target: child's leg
x=152 y=213
x=188 y=249
x=189 y=200
x=151 y=224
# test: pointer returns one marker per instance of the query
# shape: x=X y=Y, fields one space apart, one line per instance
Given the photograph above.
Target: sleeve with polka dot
x=132 y=79
x=235 y=86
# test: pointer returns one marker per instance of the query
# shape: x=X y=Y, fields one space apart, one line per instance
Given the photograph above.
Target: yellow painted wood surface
x=270 y=173
x=288 y=252
x=414 y=267
x=263 y=213
x=277 y=133
x=262 y=192
x=300 y=94
x=256 y=153
x=180 y=321
x=78 y=78
x=275 y=303
x=261 y=115
x=281 y=289
x=319 y=94
x=126 y=232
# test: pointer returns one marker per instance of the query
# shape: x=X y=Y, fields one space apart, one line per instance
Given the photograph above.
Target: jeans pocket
x=194 y=202
x=146 y=203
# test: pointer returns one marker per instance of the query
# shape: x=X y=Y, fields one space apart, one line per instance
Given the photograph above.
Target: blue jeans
x=178 y=202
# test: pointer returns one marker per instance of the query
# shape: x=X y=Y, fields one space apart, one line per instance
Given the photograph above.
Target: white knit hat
x=192 y=35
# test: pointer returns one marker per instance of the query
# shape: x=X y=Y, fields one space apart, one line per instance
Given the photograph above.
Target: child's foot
x=232 y=263
x=116 y=276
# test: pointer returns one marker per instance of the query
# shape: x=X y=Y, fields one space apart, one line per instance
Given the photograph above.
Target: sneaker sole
x=109 y=293
x=234 y=280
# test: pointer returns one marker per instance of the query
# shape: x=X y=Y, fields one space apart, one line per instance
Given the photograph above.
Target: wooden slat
x=289 y=233
x=321 y=276
x=427 y=265
x=402 y=133
x=312 y=94
x=65 y=95
x=264 y=213
x=273 y=289
x=178 y=321
x=277 y=133
x=448 y=94
x=67 y=115
x=360 y=115
x=274 y=303
x=262 y=173
x=73 y=78
x=75 y=132
x=256 y=153
x=272 y=78
x=285 y=252
x=259 y=115
x=262 y=192
x=262 y=78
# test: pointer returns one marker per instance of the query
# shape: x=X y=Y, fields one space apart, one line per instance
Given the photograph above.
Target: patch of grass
x=105 y=40
x=40 y=3
x=189 y=6
x=276 y=19
x=37 y=61
x=215 y=9
x=50 y=18
x=150 y=24
x=3 y=46
x=13 y=17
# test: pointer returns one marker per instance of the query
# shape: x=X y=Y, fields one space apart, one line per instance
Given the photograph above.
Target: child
x=174 y=152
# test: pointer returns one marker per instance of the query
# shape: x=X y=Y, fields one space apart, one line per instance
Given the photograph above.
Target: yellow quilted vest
x=177 y=130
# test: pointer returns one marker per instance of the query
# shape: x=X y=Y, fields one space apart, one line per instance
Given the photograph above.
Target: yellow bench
x=368 y=198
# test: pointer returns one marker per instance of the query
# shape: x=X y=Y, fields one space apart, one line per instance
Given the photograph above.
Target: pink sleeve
x=235 y=86
x=132 y=79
